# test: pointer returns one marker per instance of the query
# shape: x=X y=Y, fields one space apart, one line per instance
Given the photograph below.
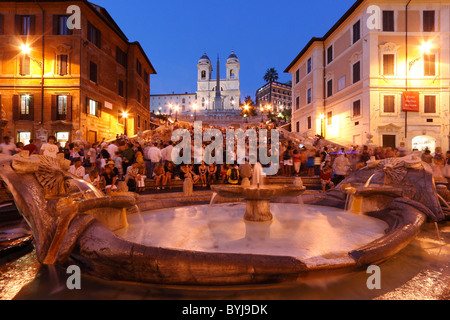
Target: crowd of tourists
x=135 y=161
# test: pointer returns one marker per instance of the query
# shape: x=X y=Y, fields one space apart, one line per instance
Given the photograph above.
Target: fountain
x=258 y=196
x=177 y=244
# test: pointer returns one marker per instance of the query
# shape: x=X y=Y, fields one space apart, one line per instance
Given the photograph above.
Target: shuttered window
x=388 y=64
x=430 y=104
x=388 y=21
x=428 y=21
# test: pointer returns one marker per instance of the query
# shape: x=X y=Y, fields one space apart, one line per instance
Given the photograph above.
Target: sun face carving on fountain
x=394 y=170
x=51 y=173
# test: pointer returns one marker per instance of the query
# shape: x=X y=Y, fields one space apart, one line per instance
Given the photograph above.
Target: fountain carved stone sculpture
x=70 y=222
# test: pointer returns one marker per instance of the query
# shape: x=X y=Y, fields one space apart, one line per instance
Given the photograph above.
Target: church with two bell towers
x=218 y=94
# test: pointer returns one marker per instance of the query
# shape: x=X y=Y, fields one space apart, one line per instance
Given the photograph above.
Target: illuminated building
x=58 y=80
x=381 y=70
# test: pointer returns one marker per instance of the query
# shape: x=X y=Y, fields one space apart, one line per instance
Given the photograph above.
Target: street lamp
x=322 y=118
x=125 y=117
x=195 y=107
x=246 y=115
x=177 y=108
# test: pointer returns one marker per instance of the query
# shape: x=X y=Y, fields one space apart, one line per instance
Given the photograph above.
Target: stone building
x=276 y=94
x=60 y=76
x=382 y=70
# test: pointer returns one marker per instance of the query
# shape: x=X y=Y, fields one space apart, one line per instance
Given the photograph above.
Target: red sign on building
x=411 y=101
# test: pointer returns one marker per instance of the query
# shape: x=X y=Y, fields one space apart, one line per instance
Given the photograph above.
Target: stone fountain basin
x=258 y=193
x=121 y=257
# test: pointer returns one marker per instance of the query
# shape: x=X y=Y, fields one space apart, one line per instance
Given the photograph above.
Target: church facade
x=218 y=94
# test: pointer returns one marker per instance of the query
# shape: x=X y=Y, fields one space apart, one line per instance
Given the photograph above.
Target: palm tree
x=271 y=76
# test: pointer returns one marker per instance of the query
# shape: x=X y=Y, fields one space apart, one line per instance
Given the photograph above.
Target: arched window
x=232 y=74
x=203 y=75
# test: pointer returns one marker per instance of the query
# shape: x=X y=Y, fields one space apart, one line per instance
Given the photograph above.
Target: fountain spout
x=257 y=175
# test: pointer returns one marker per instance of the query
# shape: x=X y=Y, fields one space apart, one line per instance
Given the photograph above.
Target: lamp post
x=195 y=107
x=176 y=112
x=246 y=115
x=26 y=51
x=125 y=117
x=322 y=118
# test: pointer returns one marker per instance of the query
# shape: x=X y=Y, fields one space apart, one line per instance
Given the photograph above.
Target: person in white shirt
x=50 y=149
x=93 y=178
x=166 y=153
x=77 y=169
x=7 y=147
x=154 y=155
x=113 y=149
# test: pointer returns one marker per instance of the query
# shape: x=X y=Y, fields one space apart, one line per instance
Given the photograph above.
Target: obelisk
x=218 y=100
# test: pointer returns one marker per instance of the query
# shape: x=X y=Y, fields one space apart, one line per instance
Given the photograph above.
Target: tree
x=271 y=76
x=248 y=108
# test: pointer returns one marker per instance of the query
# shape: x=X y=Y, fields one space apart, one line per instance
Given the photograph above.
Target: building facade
x=55 y=80
x=276 y=94
x=381 y=71
x=172 y=103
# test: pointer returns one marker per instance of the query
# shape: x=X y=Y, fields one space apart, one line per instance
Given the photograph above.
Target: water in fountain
x=369 y=181
x=257 y=179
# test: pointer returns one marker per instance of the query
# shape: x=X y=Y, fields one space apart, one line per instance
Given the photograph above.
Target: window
x=309 y=65
x=356 y=72
x=329 y=88
x=389 y=104
x=138 y=121
x=356 y=32
x=25 y=25
x=121 y=57
x=430 y=104
x=388 y=21
x=60 y=26
x=93 y=69
x=357 y=108
x=139 y=95
x=63 y=64
x=139 y=67
x=330 y=54
x=297 y=103
x=341 y=83
x=25 y=103
x=24 y=137
x=298 y=126
x=428 y=21
x=203 y=75
x=232 y=74
x=388 y=64
x=330 y=118
x=429 y=64
x=297 y=76
x=94 y=35
x=309 y=96
x=62 y=106
x=2 y=24
x=93 y=108
x=146 y=77
x=309 y=123
x=121 y=89
x=25 y=65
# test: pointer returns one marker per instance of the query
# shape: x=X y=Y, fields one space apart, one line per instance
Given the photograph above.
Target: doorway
x=389 y=141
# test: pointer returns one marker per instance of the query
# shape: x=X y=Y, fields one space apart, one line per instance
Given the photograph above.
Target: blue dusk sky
x=263 y=34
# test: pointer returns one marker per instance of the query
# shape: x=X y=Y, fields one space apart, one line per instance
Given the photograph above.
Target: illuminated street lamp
x=322 y=118
x=195 y=107
x=170 y=109
x=125 y=117
x=246 y=114
x=177 y=108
